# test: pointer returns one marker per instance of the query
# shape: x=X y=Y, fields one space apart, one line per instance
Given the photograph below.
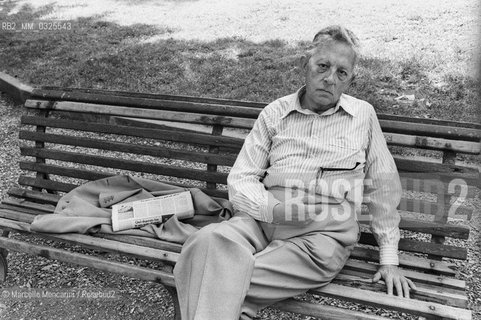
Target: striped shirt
x=340 y=153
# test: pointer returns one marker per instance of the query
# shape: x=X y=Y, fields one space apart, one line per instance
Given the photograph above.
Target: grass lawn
x=249 y=51
x=147 y=57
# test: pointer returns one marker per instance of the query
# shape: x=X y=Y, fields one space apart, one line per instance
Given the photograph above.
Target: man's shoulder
x=351 y=100
x=358 y=106
x=281 y=105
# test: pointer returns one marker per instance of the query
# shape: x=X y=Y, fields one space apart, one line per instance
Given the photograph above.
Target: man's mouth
x=323 y=90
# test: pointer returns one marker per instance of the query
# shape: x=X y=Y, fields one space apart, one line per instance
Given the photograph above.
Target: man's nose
x=330 y=77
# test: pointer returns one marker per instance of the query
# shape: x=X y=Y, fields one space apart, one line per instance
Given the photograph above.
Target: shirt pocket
x=345 y=144
x=345 y=153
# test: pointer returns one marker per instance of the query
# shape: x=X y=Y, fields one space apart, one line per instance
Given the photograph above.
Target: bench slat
x=431 y=130
x=436 y=171
x=113 y=110
x=88 y=261
x=433 y=170
x=25 y=215
x=389 y=123
x=435 y=228
x=360 y=277
x=10 y=210
x=422 y=121
x=412 y=129
x=37 y=208
x=406 y=260
x=431 y=208
x=64 y=171
x=35 y=196
x=45 y=184
x=423 y=292
x=327 y=312
x=128 y=98
x=142 y=241
x=156 y=151
x=67 y=187
x=85 y=175
x=13 y=214
x=426 y=309
x=429 y=143
x=439 y=281
x=97 y=243
x=441 y=185
x=170 y=135
x=365 y=278
x=421 y=247
x=131 y=165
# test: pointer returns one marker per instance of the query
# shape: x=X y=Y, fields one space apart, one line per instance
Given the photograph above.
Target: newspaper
x=139 y=213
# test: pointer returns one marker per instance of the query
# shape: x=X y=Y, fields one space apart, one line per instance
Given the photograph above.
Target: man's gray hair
x=336 y=33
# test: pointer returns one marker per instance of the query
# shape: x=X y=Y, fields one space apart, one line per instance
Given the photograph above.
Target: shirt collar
x=296 y=105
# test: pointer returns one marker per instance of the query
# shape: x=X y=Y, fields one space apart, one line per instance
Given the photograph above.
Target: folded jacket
x=87 y=209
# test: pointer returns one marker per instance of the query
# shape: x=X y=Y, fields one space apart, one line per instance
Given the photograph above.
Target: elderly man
x=297 y=188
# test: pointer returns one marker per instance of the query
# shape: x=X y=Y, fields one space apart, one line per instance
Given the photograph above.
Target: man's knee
x=232 y=234
x=224 y=231
x=197 y=247
x=204 y=236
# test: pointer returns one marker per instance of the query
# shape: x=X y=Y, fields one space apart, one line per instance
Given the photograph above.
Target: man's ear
x=303 y=63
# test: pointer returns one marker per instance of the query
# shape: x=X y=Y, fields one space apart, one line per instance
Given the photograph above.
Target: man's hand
x=393 y=277
x=298 y=211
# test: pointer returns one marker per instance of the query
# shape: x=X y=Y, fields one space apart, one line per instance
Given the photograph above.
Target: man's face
x=328 y=73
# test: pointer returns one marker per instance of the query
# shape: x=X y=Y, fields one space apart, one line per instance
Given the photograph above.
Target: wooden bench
x=74 y=136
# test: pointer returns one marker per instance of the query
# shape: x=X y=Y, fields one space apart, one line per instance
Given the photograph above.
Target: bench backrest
x=81 y=135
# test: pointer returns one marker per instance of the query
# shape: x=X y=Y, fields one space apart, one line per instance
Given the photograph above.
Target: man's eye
x=342 y=74
x=322 y=67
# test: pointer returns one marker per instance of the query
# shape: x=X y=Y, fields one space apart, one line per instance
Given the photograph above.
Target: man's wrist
x=388 y=255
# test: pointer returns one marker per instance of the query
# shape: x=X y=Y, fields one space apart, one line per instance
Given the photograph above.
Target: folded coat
x=87 y=209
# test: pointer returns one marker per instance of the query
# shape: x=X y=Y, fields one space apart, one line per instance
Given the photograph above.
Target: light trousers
x=232 y=269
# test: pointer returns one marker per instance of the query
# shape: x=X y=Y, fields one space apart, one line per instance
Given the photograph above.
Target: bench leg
x=3 y=258
x=175 y=301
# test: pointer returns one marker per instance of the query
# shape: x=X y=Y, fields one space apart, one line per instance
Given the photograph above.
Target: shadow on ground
x=101 y=54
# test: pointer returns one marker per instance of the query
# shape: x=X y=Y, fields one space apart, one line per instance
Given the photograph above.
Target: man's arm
x=384 y=193
x=246 y=191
